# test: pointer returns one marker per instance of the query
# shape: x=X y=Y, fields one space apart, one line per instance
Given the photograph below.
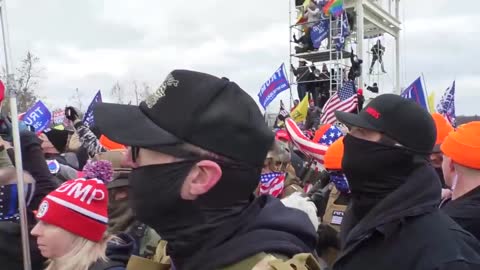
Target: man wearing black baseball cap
x=197 y=146
x=393 y=221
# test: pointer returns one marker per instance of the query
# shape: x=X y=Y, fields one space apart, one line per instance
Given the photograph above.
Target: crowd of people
x=193 y=178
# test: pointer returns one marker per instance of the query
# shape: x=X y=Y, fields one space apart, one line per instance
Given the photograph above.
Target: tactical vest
x=261 y=261
x=334 y=213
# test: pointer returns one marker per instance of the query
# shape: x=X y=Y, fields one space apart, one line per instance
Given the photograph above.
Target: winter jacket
x=34 y=162
x=302 y=73
x=466 y=211
x=11 y=256
x=406 y=230
x=88 y=139
x=265 y=227
x=118 y=253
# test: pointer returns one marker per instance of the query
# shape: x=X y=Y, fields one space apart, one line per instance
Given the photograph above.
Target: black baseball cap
x=399 y=118
x=209 y=112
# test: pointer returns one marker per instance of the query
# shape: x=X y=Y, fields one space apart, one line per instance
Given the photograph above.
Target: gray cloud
x=91 y=44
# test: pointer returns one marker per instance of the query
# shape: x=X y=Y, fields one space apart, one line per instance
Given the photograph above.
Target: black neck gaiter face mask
x=373 y=170
x=185 y=224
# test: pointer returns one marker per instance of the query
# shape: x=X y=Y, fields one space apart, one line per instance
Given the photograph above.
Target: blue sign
x=273 y=86
x=88 y=118
x=416 y=93
x=38 y=117
x=319 y=32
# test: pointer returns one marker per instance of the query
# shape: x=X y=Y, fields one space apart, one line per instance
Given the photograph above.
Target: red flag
x=2 y=91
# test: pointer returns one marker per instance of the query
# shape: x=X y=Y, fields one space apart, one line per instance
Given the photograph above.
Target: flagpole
x=425 y=84
x=10 y=89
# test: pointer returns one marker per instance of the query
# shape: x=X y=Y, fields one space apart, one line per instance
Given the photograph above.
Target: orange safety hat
x=443 y=128
x=463 y=145
x=334 y=155
x=109 y=144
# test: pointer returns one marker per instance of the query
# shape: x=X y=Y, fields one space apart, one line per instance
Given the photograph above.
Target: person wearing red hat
x=360 y=99
x=461 y=167
x=71 y=231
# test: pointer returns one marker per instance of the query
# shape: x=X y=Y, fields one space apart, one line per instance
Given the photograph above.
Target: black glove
x=71 y=114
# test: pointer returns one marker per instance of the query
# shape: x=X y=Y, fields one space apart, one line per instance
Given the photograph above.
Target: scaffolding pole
x=360 y=34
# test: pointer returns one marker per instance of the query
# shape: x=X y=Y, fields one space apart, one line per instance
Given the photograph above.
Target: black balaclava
x=186 y=224
x=373 y=170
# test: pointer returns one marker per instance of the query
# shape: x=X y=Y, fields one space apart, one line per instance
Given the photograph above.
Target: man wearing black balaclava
x=197 y=146
x=393 y=221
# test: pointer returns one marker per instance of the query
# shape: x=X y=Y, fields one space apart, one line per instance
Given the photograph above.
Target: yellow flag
x=431 y=102
x=299 y=114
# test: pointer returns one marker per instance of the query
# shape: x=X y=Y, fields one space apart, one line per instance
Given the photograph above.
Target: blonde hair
x=83 y=254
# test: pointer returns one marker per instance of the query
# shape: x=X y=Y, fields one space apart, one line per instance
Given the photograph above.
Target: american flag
x=331 y=135
x=272 y=183
x=308 y=147
x=446 y=107
x=344 y=100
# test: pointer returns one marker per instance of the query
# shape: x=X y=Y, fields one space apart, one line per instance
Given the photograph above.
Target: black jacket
x=265 y=226
x=466 y=211
x=34 y=162
x=11 y=256
x=406 y=230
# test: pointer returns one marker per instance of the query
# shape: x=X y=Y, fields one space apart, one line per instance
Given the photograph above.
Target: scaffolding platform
x=320 y=56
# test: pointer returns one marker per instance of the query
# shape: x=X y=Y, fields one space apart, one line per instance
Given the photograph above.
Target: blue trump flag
x=319 y=32
x=88 y=118
x=344 y=31
x=273 y=86
x=38 y=116
x=416 y=93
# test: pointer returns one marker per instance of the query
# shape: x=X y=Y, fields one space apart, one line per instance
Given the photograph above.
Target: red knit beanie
x=78 y=206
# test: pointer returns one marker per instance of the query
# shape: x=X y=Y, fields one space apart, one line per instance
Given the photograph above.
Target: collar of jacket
x=422 y=188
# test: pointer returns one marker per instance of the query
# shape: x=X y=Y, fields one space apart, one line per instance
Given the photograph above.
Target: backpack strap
x=303 y=261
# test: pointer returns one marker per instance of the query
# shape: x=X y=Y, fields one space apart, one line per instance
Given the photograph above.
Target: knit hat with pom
x=78 y=206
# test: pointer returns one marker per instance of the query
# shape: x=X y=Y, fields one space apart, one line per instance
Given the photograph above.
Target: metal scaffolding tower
x=370 y=19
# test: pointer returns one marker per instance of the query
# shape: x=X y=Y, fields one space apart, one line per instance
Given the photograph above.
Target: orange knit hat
x=109 y=144
x=463 y=145
x=443 y=128
x=333 y=156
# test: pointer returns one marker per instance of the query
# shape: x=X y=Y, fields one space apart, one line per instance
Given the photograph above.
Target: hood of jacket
x=265 y=226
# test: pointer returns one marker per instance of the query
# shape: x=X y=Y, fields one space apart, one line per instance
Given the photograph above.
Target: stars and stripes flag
x=272 y=183
x=344 y=100
x=311 y=149
x=446 y=107
x=331 y=135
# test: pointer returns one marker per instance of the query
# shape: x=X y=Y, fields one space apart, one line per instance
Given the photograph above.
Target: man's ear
x=201 y=179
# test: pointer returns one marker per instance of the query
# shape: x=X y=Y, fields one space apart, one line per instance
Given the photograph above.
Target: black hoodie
x=406 y=230
x=265 y=226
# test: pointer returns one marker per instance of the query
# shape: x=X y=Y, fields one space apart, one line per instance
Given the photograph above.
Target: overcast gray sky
x=90 y=44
